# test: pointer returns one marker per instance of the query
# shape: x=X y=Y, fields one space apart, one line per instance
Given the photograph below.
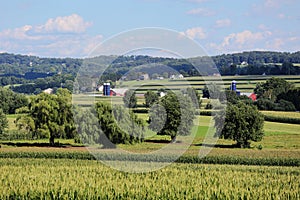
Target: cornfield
x=22 y=178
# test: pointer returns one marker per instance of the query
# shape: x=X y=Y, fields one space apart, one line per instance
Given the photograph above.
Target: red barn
x=250 y=95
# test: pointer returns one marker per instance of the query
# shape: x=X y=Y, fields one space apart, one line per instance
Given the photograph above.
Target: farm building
x=48 y=91
x=118 y=91
x=250 y=95
x=233 y=87
x=144 y=77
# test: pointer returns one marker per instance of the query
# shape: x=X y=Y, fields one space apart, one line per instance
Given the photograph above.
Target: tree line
x=21 y=69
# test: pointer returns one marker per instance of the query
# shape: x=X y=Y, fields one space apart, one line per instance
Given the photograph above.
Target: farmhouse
x=144 y=77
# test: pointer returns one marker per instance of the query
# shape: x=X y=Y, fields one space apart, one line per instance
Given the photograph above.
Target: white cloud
x=197 y=1
x=201 y=11
x=223 y=23
x=59 y=37
x=195 y=33
x=242 y=41
x=67 y=24
x=271 y=3
x=281 y=16
x=244 y=38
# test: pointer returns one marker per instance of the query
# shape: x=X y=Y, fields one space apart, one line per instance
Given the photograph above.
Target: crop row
x=111 y=156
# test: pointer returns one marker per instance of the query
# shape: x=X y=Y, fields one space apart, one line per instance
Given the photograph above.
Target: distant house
x=216 y=74
x=144 y=77
x=244 y=63
x=118 y=91
x=48 y=91
x=178 y=76
x=99 y=88
x=250 y=95
x=162 y=94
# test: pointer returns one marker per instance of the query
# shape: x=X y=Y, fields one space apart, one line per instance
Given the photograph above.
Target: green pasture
x=281 y=114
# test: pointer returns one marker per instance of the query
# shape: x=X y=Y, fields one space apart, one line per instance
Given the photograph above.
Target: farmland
x=77 y=179
x=268 y=170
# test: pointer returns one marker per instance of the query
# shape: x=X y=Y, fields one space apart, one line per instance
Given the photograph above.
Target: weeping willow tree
x=109 y=125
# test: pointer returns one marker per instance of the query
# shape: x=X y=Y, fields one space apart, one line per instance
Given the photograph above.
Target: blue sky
x=65 y=28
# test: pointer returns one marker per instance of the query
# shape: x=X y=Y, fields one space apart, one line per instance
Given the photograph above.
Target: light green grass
x=282 y=114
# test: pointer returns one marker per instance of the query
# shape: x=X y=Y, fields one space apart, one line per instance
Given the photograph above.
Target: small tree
x=240 y=123
x=130 y=99
x=3 y=121
x=178 y=116
x=150 y=98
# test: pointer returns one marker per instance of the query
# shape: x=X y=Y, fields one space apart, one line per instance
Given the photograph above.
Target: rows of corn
x=88 y=179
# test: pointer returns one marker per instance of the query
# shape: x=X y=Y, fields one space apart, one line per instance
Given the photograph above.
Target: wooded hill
x=57 y=72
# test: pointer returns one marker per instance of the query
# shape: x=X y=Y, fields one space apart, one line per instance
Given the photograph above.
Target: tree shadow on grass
x=158 y=141
x=230 y=146
x=36 y=144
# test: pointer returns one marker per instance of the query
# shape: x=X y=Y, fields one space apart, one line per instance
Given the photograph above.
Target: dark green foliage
x=38 y=85
x=272 y=88
x=178 y=117
x=10 y=101
x=3 y=121
x=265 y=104
x=291 y=96
x=240 y=123
x=282 y=119
x=129 y=99
x=150 y=98
x=118 y=125
x=208 y=106
x=282 y=105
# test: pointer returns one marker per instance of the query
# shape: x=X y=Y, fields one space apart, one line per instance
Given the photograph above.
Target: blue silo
x=106 y=89
x=233 y=85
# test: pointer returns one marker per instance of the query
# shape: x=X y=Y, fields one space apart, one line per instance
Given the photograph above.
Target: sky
x=72 y=28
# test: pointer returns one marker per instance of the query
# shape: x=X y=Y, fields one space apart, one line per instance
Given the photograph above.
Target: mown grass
x=282 y=114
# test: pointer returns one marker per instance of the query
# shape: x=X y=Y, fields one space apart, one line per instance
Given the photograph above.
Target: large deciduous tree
x=175 y=115
x=52 y=115
x=241 y=123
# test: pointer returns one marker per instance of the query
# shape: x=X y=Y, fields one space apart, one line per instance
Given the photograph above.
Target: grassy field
x=282 y=114
x=244 y=83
